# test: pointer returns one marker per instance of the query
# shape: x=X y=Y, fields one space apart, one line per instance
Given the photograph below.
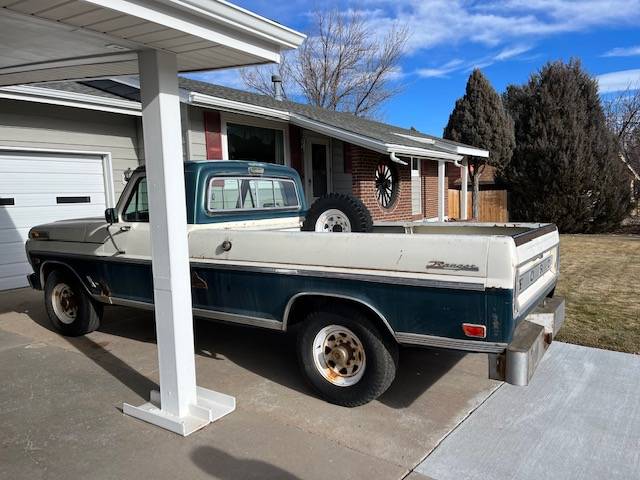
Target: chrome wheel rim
x=339 y=355
x=64 y=301
x=333 y=220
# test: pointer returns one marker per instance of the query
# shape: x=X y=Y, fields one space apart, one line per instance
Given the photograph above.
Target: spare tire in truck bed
x=338 y=212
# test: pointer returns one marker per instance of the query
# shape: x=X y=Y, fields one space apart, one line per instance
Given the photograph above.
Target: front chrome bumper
x=531 y=339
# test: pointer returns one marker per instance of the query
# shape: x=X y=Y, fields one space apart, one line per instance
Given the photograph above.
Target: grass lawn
x=600 y=278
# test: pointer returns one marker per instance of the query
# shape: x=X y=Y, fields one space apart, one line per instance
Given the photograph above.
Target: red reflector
x=475 y=331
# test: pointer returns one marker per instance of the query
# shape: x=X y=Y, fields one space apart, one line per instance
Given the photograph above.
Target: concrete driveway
x=60 y=401
x=578 y=419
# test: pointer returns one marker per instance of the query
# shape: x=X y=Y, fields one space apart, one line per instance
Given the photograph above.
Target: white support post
x=441 y=193
x=181 y=406
x=464 y=178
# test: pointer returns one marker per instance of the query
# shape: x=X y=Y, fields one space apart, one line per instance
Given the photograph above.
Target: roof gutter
x=71 y=99
x=200 y=99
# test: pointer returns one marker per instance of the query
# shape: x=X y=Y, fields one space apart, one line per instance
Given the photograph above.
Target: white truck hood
x=90 y=230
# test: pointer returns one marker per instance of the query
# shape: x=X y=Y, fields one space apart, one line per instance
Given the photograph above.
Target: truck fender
x=362 y=303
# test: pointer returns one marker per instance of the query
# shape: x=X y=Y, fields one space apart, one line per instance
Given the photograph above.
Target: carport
x=48 y=40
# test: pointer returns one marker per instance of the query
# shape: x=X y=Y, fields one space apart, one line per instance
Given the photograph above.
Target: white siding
x=416 y=195
x=197 y=143
x=32 y=125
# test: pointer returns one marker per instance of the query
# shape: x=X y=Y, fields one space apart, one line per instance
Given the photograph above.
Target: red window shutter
x=295 y=148
x=212 y=138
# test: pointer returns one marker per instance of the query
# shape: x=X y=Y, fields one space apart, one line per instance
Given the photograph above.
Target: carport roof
x=49 y=40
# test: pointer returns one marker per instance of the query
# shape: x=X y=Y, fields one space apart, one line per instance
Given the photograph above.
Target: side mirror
x=126 y=175
x=111 y=216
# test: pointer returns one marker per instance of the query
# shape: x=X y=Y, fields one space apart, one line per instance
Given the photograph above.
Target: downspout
x=394 y=158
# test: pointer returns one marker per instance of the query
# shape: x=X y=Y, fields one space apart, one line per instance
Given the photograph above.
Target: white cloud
x=511 y=52
x=442 y=70
x=623 y=52
x=494 y=23
x=619 y=81
x=456 y=65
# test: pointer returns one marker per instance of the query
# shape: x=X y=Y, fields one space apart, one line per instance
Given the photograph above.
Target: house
x=78 y=139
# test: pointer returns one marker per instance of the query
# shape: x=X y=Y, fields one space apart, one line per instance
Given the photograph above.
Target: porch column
x=464 y=178
x=441 y=192
x=180 y=406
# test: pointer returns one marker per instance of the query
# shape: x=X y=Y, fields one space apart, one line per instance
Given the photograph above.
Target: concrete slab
x=579 y=418
x=60 y=400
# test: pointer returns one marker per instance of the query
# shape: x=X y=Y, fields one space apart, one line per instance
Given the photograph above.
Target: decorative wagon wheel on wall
x=386 y=184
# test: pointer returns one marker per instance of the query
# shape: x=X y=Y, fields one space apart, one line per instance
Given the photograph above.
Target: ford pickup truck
x=352 y=296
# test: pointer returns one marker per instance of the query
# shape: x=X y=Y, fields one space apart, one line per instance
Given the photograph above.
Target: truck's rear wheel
x=345 y=358
x=337 y=212
x=69 y=307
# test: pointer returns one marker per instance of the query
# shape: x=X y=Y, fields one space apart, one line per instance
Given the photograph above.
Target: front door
x=317 y=169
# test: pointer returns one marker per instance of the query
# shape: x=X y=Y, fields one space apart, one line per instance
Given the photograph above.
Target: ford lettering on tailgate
x=529 y=277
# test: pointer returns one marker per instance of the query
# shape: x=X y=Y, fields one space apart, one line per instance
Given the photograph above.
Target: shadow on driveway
x=224 y=466
x=266 y=353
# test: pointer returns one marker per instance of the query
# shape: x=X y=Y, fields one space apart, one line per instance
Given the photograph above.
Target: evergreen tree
x=479 y=119
x=565 y=167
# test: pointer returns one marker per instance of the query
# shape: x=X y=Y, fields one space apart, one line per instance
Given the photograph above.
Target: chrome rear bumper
x=531 y=339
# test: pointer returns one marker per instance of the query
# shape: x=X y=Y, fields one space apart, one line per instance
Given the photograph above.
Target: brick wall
x=363 y=167
x=429 y=170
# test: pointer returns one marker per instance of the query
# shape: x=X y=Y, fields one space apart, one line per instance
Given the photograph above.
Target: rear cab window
x=226 y=194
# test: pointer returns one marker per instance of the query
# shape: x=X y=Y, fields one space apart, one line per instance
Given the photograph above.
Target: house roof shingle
x=382 y=132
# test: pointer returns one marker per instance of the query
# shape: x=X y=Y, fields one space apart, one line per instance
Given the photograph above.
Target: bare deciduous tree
x=623 y=118
x=343 y=65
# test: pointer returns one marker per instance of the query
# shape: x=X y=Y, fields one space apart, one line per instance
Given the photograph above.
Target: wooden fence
x=493 y=205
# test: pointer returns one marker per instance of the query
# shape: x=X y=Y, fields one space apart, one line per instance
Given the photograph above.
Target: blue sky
x=507 y=39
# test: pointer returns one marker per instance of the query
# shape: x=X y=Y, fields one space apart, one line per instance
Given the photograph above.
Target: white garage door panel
x=51 y=166
x=15 y=270
x=11 y=253
x=49 y=199
x=34 y=181
x=49 y=183
x=29 y=216
x=13 y=235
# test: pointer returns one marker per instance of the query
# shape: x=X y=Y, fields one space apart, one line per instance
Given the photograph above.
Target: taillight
x=474 y=331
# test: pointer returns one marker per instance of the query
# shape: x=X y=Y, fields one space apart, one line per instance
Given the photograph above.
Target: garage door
x=41 y=188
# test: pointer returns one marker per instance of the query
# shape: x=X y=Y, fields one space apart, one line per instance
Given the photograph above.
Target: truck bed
x=521 y=232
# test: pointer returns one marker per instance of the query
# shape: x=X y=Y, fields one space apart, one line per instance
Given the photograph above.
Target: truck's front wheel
x=345 y=358
x=70 y=309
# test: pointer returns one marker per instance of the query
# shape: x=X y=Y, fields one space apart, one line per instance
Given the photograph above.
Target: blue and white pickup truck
x=352 y=295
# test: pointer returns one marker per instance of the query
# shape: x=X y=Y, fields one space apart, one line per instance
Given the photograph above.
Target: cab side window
x=137 y=209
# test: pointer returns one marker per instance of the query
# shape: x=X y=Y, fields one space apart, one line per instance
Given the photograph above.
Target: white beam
x=183 y=408
x=464 y=178
x=441 y=192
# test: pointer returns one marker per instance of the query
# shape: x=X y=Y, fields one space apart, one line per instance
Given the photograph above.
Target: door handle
x=125 y=228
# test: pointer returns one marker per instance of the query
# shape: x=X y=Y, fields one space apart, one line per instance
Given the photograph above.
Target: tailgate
x=538 y=267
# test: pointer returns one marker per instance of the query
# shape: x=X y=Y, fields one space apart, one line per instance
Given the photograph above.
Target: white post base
x=210 y=407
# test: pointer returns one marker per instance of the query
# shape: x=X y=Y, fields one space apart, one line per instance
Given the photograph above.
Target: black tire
x=88 y=312
x=381 y=354
x=352 y=208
